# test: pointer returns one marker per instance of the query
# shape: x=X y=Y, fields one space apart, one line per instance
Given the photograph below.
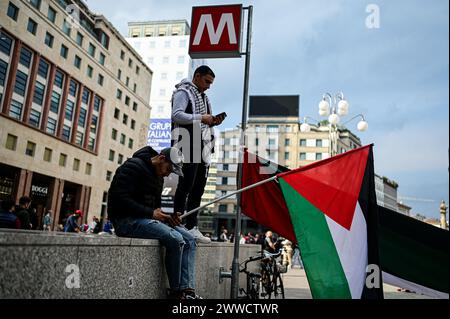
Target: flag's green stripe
x=323 y=267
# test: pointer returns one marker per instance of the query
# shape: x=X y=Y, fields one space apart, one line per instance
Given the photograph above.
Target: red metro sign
x=216 y=32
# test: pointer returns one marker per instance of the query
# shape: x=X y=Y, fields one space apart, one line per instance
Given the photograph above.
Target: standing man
x=192 y=131
x=134 y=207
x=23 y=213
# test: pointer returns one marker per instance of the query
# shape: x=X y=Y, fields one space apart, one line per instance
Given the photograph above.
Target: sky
x=395 y=73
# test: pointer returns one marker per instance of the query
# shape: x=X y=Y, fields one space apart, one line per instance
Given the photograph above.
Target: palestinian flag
x=333 y=211
x=413 y=254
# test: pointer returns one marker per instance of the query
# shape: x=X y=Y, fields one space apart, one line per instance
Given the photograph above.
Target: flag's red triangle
x=332 y=185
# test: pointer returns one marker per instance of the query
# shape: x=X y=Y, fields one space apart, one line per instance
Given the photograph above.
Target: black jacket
x=135 y=189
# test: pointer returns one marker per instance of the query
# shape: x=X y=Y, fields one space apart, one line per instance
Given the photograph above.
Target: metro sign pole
x=223 y=41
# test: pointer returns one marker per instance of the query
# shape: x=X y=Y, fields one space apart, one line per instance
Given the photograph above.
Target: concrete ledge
x=37 y=264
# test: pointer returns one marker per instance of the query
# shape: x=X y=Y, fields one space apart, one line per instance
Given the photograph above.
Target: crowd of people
x=23 y=216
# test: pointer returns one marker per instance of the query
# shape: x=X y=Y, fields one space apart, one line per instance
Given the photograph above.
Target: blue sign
x=159 y=134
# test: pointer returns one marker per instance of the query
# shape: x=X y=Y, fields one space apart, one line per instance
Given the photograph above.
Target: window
x=111 y=155
x=114 y=134
x=256 y=141
x=94 y=124
x=77 y=61
x=134 y=87
x=97 y=104
x=181 y=59
x=31 y=148
x=13 y=11
x=318 y=156
x=137 y=70
x=225 y=167
x=38 y=96
x=48 y=39
x=119 y=94
x=108 y=175
x=127 y=100
x=116 y=113
x=271 y=141
x=73 y=88
x=66 y=28
x=100 y=79
x=51 y=126
x=91 y=143
x=302 y=142
x=35 y=118
x=130 y=143
x=224 y=180
x=88 y=169
x=32 y=26
x=59 y=79
x=162 y=92
x=287 y=142
x=64 y=51
x=101 y=59
x=165 y=60
x=302 y=156
x=222 y=208
x=54 y=102
x=48 y=155
x=5 y=43
x=122 y=54
x=15 y=111
x=79 y=39
x=286 y=156
x=76 y=164
x=122 y=139
x=133 y=124
x=79 y=138
x=62 y=159
x=11 y=142
x=43 y=68
x=120 y=159
x=182 y=44
x=51 y=14
x=35 y=3
x=125 y=119
x=82 y=118
x=318 y=143
x=85 y=96
x=91 y=50
x=21 y=83
x=130 y=63
x=89 y=71
x=25 y=57
x=119 y=73
x=66 y=132
x=135 y=106
x=3 y=68
x=127 y=81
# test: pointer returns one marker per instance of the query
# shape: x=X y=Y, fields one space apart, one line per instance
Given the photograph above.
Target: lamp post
x=334 y=107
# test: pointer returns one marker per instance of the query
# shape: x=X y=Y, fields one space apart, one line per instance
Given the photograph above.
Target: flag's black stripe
x=413 y=250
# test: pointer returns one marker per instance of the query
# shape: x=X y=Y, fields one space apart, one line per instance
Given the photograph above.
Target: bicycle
x=253 y=279
x=271 y=281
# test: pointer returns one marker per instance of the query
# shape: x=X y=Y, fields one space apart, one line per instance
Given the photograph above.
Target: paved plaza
x=296 y=287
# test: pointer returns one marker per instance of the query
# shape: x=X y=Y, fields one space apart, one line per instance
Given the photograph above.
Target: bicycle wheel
x=266 y=284
x=254 y=288
x=278 y=287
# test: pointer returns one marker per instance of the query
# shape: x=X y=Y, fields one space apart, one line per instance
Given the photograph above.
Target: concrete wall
x=46 y=265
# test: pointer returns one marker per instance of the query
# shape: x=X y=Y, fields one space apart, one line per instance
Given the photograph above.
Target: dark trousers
x=190 y=191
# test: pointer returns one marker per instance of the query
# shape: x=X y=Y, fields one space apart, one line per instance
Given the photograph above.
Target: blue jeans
x=179 y=243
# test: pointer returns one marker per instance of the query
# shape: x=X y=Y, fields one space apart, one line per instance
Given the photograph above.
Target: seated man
x=134 y=208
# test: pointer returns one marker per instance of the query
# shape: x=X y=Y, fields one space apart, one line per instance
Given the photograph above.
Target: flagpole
x=228 y=195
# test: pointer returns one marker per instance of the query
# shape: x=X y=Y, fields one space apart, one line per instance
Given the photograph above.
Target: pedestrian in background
x=23 y=213
x=47 y=221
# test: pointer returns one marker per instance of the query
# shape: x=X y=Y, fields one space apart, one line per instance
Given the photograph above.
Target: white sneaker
x=199 y=236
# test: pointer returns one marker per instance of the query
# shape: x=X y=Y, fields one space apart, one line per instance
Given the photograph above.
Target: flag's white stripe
x=402 y=283
x=351 y=247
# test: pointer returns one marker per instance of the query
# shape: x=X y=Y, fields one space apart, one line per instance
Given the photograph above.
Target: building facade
x=67 y=120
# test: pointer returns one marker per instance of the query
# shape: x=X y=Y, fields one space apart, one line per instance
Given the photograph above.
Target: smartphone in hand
x=220 y=117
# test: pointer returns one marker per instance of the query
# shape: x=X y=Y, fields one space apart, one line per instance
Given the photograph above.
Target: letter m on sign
x=216 y=32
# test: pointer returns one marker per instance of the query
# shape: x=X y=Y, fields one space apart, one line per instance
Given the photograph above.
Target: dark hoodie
x=135 y=189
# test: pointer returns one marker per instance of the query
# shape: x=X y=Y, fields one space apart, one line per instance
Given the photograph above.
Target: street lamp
x=334 y=107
